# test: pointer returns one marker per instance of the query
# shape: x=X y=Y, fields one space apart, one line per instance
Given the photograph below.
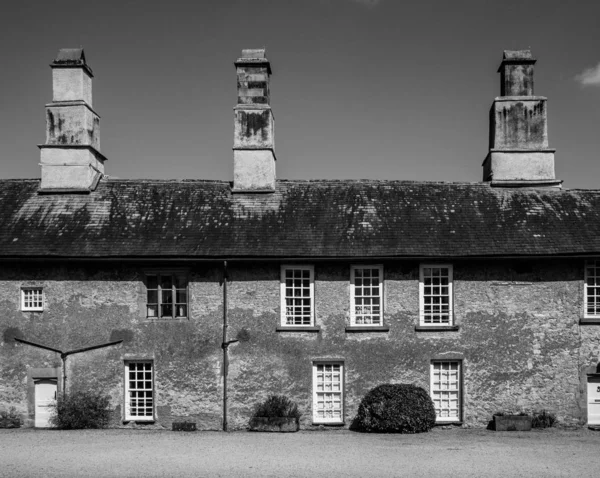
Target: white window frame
x=422 y=313
x=128 y=415
x=24 y=302
x=182 y=274
x=283 y=287
x=441 y=390
x=353 y=305
x=336 y=395
x=591 y=264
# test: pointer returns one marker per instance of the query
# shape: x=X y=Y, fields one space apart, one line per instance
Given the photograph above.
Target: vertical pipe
x=64 y=373
x=224 y=346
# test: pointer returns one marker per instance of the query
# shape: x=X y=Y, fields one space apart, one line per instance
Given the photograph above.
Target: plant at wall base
x=543 y=419
x=395 y=408
x=10 y=418
x=81 y=409
x=277 y=406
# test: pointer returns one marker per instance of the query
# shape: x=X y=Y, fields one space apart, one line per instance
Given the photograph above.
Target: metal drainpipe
x=225 y=345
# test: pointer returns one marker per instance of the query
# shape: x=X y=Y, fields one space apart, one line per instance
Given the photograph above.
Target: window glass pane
x=152 y=282
x=166 y=281
x=180 y=281
x=152 y=310
x=166 y=310
x=152 y=297
x=181 y=296
x=167 y=296
x=181 y=311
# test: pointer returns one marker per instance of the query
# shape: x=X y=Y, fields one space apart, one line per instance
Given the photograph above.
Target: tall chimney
x=519 y=154
x=70 y=158
x=253 y=141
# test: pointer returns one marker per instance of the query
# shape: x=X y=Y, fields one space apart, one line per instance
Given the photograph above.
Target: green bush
x=395 y=408
x=10 y=418
x=543 y=419
x=83 y=409
x=277 y=406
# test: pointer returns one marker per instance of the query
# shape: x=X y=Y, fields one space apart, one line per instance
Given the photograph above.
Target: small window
x=297 y=296
x=32 y=298
x=139 y=391
x=366 y=295
x=592 y=289
x=435 y=294
x=445 y=390
x=328 y=393
x=167 y=295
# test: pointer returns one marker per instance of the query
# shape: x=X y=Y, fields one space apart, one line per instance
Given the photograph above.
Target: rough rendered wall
x=93 y=305
x=519 y=337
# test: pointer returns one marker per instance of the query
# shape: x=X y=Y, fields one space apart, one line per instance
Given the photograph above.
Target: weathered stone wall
x=519 y=337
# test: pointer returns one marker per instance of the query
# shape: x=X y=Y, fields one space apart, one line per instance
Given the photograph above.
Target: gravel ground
x=154 y=453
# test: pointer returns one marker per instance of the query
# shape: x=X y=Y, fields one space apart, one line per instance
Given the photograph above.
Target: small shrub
x=395 y=408
x=543 y=419
x=83 y=409
x=277 y=406
x=10 y=418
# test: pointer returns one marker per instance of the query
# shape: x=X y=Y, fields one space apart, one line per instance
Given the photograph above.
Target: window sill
x=166 y=319
x=445 y=424
x=370 y=328
x=290 y=328
x=589 y=321
x=436 y=328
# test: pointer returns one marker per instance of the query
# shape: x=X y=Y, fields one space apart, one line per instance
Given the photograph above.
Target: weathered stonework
x=519 y=338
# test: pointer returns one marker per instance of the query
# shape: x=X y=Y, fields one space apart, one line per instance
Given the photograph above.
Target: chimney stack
x=253 y=141
x=70 y=158
x=519 y=155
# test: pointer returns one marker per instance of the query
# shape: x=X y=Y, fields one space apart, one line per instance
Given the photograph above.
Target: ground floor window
x=445 y=390
x=328 y=392
x=139 y=391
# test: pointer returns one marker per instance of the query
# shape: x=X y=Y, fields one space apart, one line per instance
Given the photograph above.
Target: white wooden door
x=45 y=395
x=593 y=397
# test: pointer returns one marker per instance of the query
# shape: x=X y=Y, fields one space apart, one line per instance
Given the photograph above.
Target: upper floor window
x=32 y=298
x=592 y=289
x=435 y=294
x=167 y=295
x=366 y=295
x=297 y=295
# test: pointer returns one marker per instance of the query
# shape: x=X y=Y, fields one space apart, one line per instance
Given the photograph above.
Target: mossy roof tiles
x=328 y=219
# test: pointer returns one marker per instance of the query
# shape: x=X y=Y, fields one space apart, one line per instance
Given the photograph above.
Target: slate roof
x=317 y=219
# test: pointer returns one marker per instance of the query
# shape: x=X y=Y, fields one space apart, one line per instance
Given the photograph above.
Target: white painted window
x=328 y=392
x=366 y=295
x=445 y=390
x=167 y=295
x=139 y=391
x=297 y=295
x=592 y=289
x=32 y=298
x=435 y=294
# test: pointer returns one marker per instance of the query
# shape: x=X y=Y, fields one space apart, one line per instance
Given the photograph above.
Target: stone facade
x=518 y=338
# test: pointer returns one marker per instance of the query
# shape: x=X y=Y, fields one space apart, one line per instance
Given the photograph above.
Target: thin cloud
x=589 y=76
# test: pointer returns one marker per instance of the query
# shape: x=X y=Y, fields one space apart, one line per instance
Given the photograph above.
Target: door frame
x=34 y=374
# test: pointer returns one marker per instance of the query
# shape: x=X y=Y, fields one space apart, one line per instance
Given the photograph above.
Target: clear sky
x=384 y=89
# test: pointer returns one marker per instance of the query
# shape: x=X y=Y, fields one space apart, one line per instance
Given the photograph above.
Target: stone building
x=486 y=294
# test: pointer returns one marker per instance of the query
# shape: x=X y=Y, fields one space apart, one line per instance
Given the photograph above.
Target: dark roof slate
x=203 y=219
